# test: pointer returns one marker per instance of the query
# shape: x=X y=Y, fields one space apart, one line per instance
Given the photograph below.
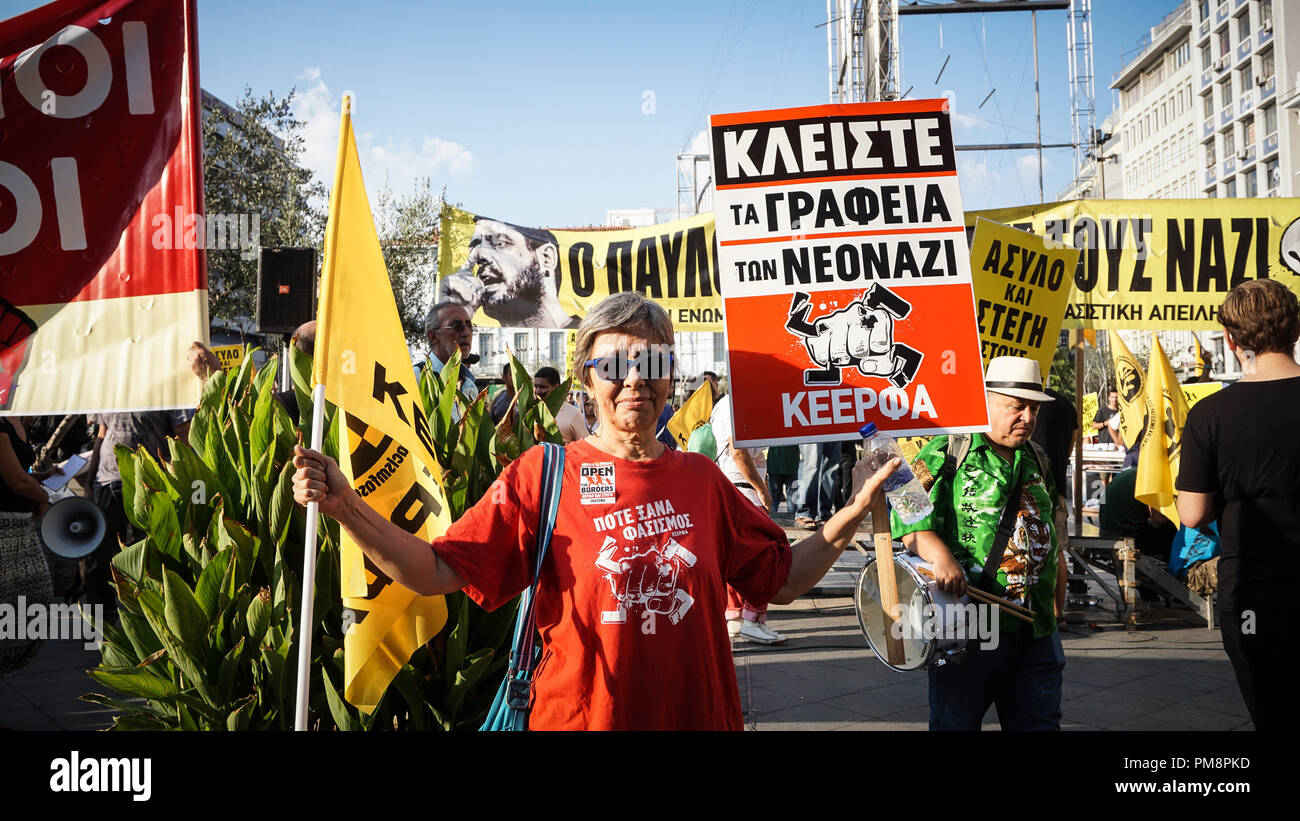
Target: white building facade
x=1157 y=119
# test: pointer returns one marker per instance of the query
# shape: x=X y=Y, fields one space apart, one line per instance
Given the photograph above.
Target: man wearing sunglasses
x=447 y=326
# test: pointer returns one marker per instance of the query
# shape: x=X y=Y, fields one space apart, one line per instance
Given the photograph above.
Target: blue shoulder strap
x=522 y=656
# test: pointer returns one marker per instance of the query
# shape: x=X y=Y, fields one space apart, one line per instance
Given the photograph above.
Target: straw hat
x=1016 y=376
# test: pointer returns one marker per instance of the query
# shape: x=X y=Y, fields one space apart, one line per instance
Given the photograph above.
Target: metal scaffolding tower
x=862 y=50
x=1083 y=109
x=691 y=192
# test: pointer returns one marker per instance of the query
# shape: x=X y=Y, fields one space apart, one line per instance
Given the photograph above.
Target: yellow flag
x=1158 y=463
x=1130 y=382
x=1200 y=362
x=363 y=362
x=694 y=412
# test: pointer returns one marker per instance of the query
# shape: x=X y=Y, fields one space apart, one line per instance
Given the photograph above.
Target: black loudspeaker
x=286 y=289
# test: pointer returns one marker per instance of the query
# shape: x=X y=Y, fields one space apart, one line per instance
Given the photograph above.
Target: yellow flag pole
x=306 y=617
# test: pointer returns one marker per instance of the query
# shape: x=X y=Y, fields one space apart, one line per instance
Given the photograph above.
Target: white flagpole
x=306 y=617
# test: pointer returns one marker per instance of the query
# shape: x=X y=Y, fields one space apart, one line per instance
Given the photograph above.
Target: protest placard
x=230 y=356
x=1022 y=285
x=844 y=274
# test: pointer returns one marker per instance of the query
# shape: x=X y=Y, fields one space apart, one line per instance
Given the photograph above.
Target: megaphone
x=73 y=527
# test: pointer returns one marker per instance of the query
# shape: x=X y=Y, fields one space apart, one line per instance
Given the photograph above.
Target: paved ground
x=1170 y=674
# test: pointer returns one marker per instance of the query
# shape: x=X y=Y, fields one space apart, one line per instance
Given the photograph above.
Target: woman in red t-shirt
x=631 y=597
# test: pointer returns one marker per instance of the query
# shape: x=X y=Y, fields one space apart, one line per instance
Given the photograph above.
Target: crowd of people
x=623 y=618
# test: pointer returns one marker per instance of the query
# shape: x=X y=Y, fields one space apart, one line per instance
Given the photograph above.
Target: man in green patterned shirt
x=1022 y=673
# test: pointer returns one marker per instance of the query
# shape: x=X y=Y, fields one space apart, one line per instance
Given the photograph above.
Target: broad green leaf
x=344 y=716
x=185 y=617
x=135 y=681
x=208 y=590
x=282 y=505
x=164 y=529
x=259 y=432
x=259 y=616
x=137 y=631
x=239 y=719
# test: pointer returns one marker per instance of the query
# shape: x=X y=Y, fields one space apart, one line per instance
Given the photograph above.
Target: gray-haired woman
x=632 y=593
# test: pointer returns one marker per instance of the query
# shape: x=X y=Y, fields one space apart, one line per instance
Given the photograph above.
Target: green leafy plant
x=209 y=599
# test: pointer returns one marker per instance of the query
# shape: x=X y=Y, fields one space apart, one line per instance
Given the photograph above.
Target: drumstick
x=977 y=593
x=987 y=598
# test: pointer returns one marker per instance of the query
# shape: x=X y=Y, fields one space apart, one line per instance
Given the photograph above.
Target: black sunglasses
x=649 y=364
x=458 y=326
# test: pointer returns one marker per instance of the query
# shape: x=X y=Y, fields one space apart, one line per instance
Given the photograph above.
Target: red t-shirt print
x=632 y=593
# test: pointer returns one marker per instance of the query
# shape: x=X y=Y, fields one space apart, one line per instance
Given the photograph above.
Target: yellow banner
x=231 y=356
x=1021 y=288
x=515 y=276
x=1161 y=445
x=1090 y=405
x=695 y=411
x=1163 y=264
x=1130 y=383
x=363 y=362
x=1197 y=391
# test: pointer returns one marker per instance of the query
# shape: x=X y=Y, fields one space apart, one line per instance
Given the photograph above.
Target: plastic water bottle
x=906 y=496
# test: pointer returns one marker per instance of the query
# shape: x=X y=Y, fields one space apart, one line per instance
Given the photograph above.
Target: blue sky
x=535 y=112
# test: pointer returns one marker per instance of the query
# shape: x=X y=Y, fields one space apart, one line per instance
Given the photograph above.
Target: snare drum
x=931 y=619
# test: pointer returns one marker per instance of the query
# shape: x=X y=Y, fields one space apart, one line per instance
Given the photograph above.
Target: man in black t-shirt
x=1104 y=413
x=1240 y=465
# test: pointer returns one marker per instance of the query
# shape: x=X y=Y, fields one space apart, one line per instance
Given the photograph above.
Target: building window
x=1272 y=174
x=1230 y=188
x=1225 y=92
x=1266 y=65
x=1270 y=120
x=1209 y=105
x=1247 y=78
x=719 y=348
x=1182 y=55
x=484 y=345
x=1225 y=42
x=1248 y=183
x=1212 y=194
x=1209 y=155
x=1229 y=144
x=1265 y=10
x=1248 y=132
x=1243 y=26
x=521 y=345
x=557 y=349
x=1207 y=57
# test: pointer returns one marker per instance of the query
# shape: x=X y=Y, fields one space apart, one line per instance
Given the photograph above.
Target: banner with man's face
x=515 y=276
x=845 y=274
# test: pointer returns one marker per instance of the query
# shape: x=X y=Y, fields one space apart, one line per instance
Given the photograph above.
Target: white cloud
x=700 y=144
x=399 y=161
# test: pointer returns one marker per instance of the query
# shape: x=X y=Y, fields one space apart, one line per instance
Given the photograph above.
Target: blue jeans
x=782 y=486
x=819 y=473
x=1022 y=676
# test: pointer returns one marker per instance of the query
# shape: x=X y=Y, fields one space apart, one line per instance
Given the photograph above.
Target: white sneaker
x=733 y=627
x=758 y=631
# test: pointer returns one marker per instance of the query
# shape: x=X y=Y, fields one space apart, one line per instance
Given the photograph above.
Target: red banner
x=102 y=270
